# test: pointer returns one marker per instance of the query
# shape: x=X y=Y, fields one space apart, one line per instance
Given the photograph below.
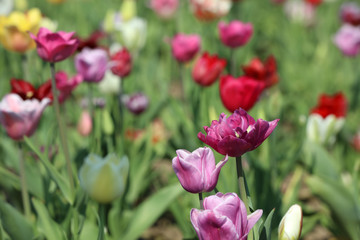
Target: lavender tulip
x=224 y=217
x=237 y=134
x=347 y=39
x=136 y=103
x=196 y=171
x=91 y=64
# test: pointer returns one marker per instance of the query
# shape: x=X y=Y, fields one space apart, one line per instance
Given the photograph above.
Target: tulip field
x=179 y=119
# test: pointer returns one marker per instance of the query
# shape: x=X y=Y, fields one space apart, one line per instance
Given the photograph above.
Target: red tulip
x=44 y=91
x=121 y=63
x=335 y=105
x=314 y=2
x=262 y=71
x=92 y=41
x=242 y=92
x=27 y=91
x=207 y=69
x=350 y=13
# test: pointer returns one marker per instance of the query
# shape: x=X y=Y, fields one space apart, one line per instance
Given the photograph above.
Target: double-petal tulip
x=224 y=217
x=347 y=39
x=121 y=63
x=196 y=171
x=235 y=34
x=207 y=69
x=91 y=64
x=291 y=224
x=164 y=8
x=262 y=71
x=237 y=134
x=208 y=10
x=240 y=92
x=104 y=179
x=350 y=13
x=55 y=47
x=20 y=118
x=185 y=47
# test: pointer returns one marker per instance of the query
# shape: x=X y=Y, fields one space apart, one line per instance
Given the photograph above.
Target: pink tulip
x=54 y=47
x=184 y=47
x=235 y=34
x=347 y=39
x=66 y=85
x=164 y=8
x=92 y=64
x=237 y=134
x=224 y=217
x=21 y=117
x=85 y=124
x=196 y=171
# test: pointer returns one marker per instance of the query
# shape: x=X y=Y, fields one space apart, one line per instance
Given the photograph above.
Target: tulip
x=128 y=9
x=210 y=9
x=355 y=141
x=262 y=71
x=327 y=105
x=54 y=47
x=104 y=179
x=347 y=39
x=240 y=92
x=92 y=41
x=121 y=63
x=184 y=47
x=235 y=34
x=20 y=118
x=350 y=13
x=91 y=64
x=6 y=6
x=237 y=134
x=84 y=126
x=66 y=85
x=27 y=91
x=207 y=69
x=196 y=171
x=224 y=217
x=165 y=9
x=44 y=91
x=110 y=83
x=136 y=103
x=14 y=30
x=314 y=3
x=291 y=224
x=300 y=12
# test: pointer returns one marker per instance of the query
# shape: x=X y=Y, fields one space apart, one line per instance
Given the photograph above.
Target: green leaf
x=150 y=210
x=265 y=228
x=14 y=223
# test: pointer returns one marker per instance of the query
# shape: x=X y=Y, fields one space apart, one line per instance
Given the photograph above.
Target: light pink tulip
x=184 y=47
x=65 y=84
x=21 y=117
x=347 y=39
x=85 y=124
x=54 y=47
x=92 y=64
x=224 y=217
x=235 y=34
x=196 y=171
x=164 y=8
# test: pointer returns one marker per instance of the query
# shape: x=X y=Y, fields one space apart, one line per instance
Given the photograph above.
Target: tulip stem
x=101 y=221
x=61 y=128
x=241 y=182
x=356 y=91
x=201 y=200
x=24 y=66
x=232 y=62
x=24 y=190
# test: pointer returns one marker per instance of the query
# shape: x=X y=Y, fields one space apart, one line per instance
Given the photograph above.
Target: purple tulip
x=136 y=103
x=54 y=47
x=224 y=217
x=184 y=47
x=237 y=134
x=235 y=34
x=92 y=64
x=196 y=171
x=347 y=39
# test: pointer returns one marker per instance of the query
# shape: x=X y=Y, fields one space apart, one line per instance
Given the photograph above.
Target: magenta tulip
x=92 y=64
x=55 y=47
x=184 y=47
x=224 y=217
x=196 y=171
x=235 y=34
x=237 y=134
x=347 y=39
x=65 y=84
x=21 y=117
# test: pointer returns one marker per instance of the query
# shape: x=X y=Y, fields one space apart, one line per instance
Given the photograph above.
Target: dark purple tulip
x=136 y=103
x=237 y=134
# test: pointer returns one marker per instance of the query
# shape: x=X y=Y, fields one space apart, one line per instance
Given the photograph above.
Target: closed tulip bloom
x=91 y=64
x=20 y=118
x=104 y=179
x=300 y=12
x=132 y=33
x=85 y=124
x=209 y=10
x=121 y=63
x=55 y=47
x=196 y=171
x=350 y=13
x=237 y=134
x=110 y=84
x=185 y=47
x=291 y=224
x=136 y=103
x=164 y=8
x=240 y=92
x=347 y=39
x=224 y=217
x=235 y=34
x=207 y=69
x=6 y=6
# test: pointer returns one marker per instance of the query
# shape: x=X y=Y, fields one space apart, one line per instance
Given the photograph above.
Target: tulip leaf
x=46 y=224
x=265 y=228
x=14 y=222
x=150 y=210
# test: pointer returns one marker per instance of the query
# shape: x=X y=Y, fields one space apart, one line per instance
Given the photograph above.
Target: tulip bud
x=104 y=179
x=108 y=125
x=128 y=9
x=291 y=224
x=85 y=124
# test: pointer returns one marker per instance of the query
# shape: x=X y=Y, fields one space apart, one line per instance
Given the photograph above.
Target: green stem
x=121 y=114
x=201 y=200
x=232 y=62
x=101 y=234
x=61 y=128
x=24 y=189
x=24 y=66
x=356 y=91
x=241 y=182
